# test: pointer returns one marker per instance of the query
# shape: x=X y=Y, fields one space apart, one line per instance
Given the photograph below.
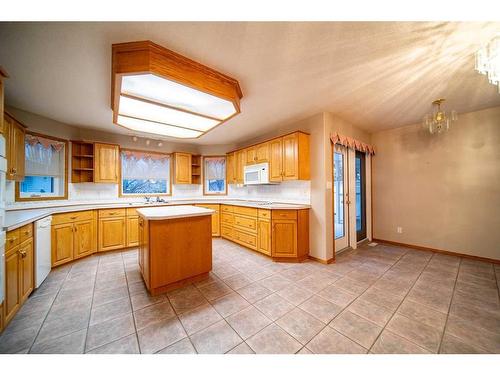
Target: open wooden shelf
x=196 y=169
x=82 y=161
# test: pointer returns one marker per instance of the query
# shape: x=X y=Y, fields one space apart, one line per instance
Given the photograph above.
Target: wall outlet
x=399 y=229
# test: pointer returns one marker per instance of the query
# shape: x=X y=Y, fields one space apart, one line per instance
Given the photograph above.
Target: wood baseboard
x=323 y=261
x=440 y=251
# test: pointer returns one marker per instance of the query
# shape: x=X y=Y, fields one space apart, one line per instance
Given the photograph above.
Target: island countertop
x=172 y=212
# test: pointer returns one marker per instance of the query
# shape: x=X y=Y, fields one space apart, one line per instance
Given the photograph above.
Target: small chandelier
x=488 y=61
x=439 y=121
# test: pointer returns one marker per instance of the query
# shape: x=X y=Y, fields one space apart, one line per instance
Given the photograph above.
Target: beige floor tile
x=108 y=331
x=485 y=319
x=295 y=274
x=337 y=296
x=300 y=325
x=185 y=299
x=242 y=348
x=230 y=304
x=356 y=328
x=199 y=318
x=329 y=341
x=273 y=340
x=379 y=297
x=16 y=341
x=453 y=345
x=159 y=335
x=472 y=335
x=183 y=346
x=64 y=325
x=315 y=283
x=71 y=344
x=275 y=282
x=423 y=314
x=215 y=290
x=217 y=339
x=352 y=286
x=390 y=343
x=274 y=306
x=304 y=350
x=237 y=281
x=421 y=334
x=102 y=297
x=248 y=322
x=125 y=345
x=141 y=300
x=295 y=294
x=152 y=314
x=320 y=308
x=370 y=311
x=254 y=292
x=110 y=310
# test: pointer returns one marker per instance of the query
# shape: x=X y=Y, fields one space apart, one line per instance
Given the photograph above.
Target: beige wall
x=443 y=190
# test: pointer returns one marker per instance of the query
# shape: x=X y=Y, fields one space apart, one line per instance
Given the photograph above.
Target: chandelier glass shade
x=439 y=121
x=488 y=61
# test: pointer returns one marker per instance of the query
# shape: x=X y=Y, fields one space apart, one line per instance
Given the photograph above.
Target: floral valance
x=129 y=154
x=34 y=140
x=352 y=143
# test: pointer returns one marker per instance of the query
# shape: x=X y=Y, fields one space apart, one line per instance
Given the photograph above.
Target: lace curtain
x=44 y=157
x=145 y=166
x=215 y=168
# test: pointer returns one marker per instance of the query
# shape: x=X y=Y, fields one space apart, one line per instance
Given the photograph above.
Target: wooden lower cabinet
x=132 y=231
x=264 y=236
x=284 y=238
x=144 y=253
x=112 y=233
x=74 y=236
x=19 y=270
x=215 y=217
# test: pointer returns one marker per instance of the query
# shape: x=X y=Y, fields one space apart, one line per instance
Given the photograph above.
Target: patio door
x=340 y=191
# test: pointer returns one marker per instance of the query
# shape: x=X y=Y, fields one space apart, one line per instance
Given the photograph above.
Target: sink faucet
x=148 y=199
x=159 y=200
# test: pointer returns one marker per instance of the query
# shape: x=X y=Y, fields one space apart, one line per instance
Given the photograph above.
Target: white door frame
x=342 y=242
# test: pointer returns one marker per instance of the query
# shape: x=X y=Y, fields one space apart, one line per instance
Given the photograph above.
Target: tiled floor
x=381 y=299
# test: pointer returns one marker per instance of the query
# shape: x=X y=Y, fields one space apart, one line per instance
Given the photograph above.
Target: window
x=45 y=169
x=145 y=173
x=214 y=173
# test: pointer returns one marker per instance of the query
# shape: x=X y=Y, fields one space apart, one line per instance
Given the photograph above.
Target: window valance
x=44 y=156
x=34 y=140
x=352 y=143
x=143 y=165
x=129 y=154
x=215 y=168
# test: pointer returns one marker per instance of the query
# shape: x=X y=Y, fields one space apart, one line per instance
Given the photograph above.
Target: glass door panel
x=339 y=197
x=359 y=171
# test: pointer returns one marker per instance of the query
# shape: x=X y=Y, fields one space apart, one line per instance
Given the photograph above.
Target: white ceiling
x=378 y=75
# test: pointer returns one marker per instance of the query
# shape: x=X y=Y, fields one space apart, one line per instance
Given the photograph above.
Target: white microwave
x=256 y=174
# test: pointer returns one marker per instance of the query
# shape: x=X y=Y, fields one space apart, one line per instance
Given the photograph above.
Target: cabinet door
x=230 y=168
x=241 y=166
x=290 y=157
x=262 y=153
x=14 y=149
x=112 y=233
x=264 y=236
x=250 y=155
x=12 y=284
x=215 y=217
x=144 y=249
x=284 y=238
x=62 y=243
x=107 y=161
x=26 y=269
x=275 y=159
x=132 y=231
x=182 y=168
x=85 y=238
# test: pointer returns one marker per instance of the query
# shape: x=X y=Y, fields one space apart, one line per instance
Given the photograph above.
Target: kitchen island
x=175 y=246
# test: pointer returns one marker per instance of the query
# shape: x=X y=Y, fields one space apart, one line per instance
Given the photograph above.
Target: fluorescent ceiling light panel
x=156 y=128
x=164 y=91
x=148 y=111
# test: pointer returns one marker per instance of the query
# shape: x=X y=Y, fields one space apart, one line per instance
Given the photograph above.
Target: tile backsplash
x=287 y=192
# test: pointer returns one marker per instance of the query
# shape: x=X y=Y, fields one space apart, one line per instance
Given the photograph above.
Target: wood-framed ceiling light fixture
x=157 y=91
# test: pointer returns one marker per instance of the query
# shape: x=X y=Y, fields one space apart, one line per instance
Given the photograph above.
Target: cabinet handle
x=27 y=232
x=73 y=217
x=22 y=253
x=12 y=239
x=14 y=170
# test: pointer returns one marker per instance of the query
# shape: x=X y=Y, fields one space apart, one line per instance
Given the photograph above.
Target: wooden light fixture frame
x=146 y=57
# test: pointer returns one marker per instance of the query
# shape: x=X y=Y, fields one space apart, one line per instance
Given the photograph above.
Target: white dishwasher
x=42 y=249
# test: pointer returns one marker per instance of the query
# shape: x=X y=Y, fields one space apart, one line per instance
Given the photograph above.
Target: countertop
x=16 y=217
x=173 y=212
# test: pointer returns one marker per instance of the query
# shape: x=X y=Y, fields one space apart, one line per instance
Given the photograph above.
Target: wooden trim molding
x=18 y=197
x=440 y=251
x=322 y=261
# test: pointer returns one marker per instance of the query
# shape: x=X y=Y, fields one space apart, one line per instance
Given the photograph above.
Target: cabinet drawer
x=264 y=214
x=25 y=232
x=12 y=239
x=248 y=211
x=285 y=214
x=249 y=240
x=245 y=223
x=225 y=208
x=72 y=216
x=226 y=232
x=227 y=218
x=112 y=212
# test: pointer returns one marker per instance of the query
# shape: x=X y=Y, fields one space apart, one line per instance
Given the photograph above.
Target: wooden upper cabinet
x=262 y=153
x=240 y=160
x=296 y=157
x=250 y=155
x=182 y=167
x=106 y=163
x=15 y=134
x=230 y=175
x=2 y=85
x=275 y=159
